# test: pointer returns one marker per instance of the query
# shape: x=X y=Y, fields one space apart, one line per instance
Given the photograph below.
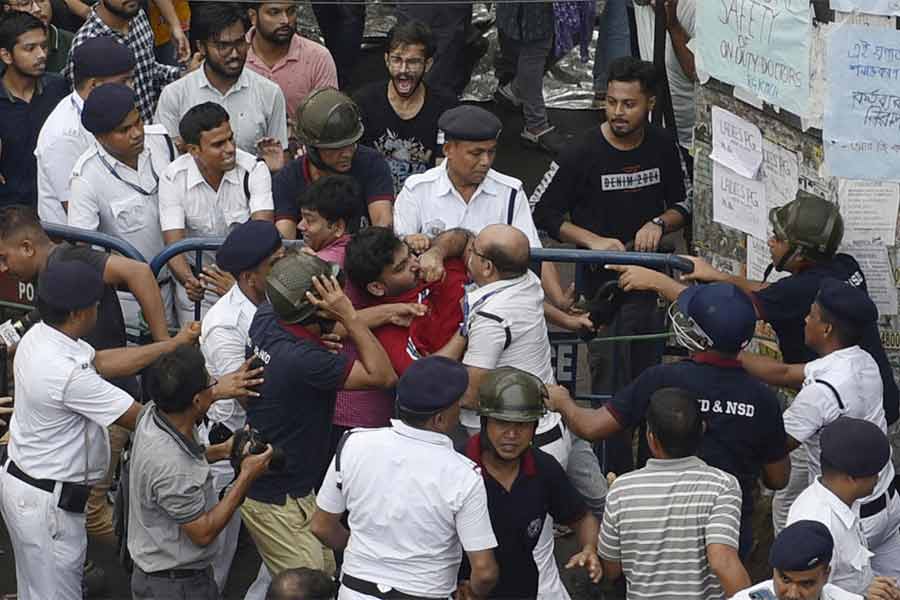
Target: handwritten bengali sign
x=737 y=143
x=759 y=45
x=739 y=202
x=862 y=105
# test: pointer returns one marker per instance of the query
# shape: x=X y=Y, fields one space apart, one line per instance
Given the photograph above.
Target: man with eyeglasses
x=59 y=41
x=401 y=121
x=115 y=183
x=255 y=104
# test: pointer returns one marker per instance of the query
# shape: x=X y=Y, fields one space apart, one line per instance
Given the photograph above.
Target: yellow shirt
x=161 y=32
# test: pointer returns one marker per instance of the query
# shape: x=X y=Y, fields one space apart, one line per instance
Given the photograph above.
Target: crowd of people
x=376 y=406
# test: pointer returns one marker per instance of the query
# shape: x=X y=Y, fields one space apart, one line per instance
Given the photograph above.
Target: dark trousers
x=201 y=586
x=342 y=27
x=449 y=25
x=616 y=364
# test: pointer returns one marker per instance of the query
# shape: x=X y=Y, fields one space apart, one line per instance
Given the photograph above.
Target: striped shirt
x=659 y=521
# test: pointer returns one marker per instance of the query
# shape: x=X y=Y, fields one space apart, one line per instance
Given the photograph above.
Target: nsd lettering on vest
x=740 y=409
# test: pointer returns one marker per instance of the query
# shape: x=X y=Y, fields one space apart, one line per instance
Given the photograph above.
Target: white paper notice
x=758 y=260
x=737 y=143
x=873 y=259
x=739 y=202
x=869 y=209
x=780 y=173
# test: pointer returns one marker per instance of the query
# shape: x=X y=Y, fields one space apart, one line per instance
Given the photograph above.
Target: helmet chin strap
x=316 y=159
x=792 y=251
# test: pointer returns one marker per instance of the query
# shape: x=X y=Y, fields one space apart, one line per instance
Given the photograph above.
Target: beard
x=223 y=70
x=121 y=11
x=406 y=85
x=281 y=36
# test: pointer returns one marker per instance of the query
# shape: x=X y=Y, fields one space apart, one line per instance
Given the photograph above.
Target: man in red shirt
x=381 y=266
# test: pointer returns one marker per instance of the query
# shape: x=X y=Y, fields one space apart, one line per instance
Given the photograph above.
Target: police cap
x=854 y=446
x=70 y=285
x=101 y=57
x=802 y=546
x=431 y=384
x=106 y=107
x=469 y=123
x=846 y=302
x=247 y=246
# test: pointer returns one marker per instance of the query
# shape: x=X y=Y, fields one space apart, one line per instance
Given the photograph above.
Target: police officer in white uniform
x=801 y=562
x=63 y=139
x=415 y=503
x=845 y=381
x=463 y=191
x=854 y=451
x=206 y=193
x=247 y=253
x=115 y=183
x=58 y=439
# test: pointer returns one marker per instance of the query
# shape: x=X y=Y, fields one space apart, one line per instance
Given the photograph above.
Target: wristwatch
x=660 y=222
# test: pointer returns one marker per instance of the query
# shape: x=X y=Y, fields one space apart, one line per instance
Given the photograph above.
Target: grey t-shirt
x=170 y=485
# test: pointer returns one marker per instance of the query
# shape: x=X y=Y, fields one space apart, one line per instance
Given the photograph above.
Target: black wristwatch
x=660 y=222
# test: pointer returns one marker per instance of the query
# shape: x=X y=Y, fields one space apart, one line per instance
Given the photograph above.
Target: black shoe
x=507 y=100
x=93 y=581
x=549 y=140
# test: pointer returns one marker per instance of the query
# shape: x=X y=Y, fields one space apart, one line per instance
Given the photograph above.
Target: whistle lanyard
x=136 y=188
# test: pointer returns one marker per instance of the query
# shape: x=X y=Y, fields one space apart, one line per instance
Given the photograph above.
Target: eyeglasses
x=212 y=383
x=238 y=45
x=413 y=64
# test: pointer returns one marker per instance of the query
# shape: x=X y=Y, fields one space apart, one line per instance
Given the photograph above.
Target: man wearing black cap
x=59 y=444
x=415 y=503
x=801 y=563
x=115 y=183
x=744 y=432
x=854 y=452
x=844 y=382
x=28 y=93
x=248 y=254
x=297 y=401
x=63 y=139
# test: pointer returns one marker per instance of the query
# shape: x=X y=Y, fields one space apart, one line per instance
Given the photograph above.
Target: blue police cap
x=722 y=311
x=802 y=546
x=431 y=384
x=248 y=245
x=846 y=302
x=106 y=107
x=854 y=446
x=469 y=123
x=70 y=285
x=101 y=57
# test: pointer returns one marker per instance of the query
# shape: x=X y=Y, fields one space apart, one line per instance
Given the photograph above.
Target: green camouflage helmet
x=290 y=279
x=510 y=394
x=328 y=118
x=811 y=224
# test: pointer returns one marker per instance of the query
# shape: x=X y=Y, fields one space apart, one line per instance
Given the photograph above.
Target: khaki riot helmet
x=510 y=394
x=811 y=225
x=289 y=280
x=328 y=118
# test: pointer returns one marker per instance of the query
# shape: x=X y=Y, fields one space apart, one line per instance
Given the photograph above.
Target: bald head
x=507 y=247
x=301 y=584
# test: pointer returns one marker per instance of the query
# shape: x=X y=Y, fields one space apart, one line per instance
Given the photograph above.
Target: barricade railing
x=94 y=238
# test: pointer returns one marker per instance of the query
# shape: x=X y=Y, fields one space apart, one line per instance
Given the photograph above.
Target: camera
x=258 y=444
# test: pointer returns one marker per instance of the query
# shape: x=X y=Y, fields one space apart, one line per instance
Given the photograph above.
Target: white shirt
x=59 y=397
x=101 y=201
x=855 y=375
x=850 y=564
x=187 y=201
x=829 y=592
x=431 y=504
x=62 y=140
x=519 y=303
x=682 y=88
x=226 y=334
x=429 y=204
x=254 y=104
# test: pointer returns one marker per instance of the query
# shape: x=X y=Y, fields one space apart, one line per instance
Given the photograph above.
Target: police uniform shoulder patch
x=429 y=176
x=508 y=181
x=90 y=153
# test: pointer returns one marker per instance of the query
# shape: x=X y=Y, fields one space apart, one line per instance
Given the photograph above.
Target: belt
x=548 y=437
x=877 y=505
x=175 y=573
x=42 y=484
x=371 y=589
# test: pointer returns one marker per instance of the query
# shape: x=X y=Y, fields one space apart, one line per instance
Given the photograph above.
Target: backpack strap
x=833 y=391
x=247 y=179
x=337 y=457
x=511 y=206
x=171 y=147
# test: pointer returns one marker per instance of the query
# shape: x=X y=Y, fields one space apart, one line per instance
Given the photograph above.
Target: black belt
x=371 y=589
x=548 y=437
x=42 y=484
x=175 y=573
x=876 y=506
